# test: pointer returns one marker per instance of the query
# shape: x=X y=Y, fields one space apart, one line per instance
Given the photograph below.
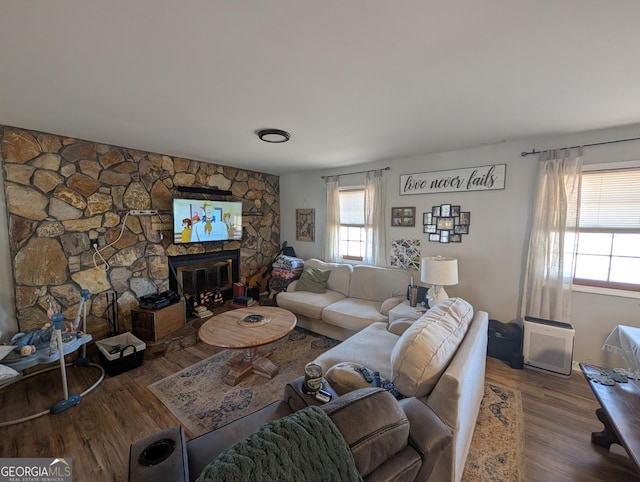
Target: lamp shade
x=437 y=270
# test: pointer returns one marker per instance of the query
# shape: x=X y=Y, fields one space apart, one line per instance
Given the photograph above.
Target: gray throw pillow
x=313 y=280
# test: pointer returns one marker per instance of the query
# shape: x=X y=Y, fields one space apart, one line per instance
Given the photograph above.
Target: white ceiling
x=352 y=80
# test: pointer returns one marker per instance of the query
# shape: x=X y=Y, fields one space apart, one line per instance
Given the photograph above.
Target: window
x=352 y=232
x=608 y=253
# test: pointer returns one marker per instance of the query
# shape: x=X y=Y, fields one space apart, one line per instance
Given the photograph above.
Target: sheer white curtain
x=332 y=229
x=552 y=245
x=375 y=199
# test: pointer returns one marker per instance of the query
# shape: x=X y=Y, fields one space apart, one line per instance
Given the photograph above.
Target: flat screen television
x=202 y=220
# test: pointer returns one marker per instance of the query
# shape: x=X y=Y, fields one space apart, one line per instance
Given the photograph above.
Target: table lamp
x=438 y=271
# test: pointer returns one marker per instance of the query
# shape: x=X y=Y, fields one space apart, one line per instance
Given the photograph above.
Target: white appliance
x=548 y=346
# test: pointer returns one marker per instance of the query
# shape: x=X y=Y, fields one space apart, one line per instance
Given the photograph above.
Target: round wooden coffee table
x=247 y=329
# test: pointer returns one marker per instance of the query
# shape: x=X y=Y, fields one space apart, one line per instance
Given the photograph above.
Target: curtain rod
x=525 y=154
x=358 y=172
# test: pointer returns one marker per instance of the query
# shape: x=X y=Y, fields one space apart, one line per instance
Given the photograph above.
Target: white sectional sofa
x=355 y=297
x=439 y=359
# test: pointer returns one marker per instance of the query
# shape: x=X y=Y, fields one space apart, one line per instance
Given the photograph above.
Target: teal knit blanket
x=303 y=446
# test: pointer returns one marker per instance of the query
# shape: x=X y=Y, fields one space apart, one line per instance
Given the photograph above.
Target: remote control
x=366 y=374
x=391 y=388
x=376 y=379
x=323 y=396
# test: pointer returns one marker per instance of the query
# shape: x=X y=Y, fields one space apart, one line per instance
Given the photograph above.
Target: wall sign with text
x=483 y=178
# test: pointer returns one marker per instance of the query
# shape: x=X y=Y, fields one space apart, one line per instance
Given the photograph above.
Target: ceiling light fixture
x=275 y=136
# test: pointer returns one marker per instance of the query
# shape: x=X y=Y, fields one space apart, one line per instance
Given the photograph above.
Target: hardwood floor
x=559 y=416
x=96 y=434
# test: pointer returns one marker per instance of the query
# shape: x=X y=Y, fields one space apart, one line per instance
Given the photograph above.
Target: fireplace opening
x=198 y=277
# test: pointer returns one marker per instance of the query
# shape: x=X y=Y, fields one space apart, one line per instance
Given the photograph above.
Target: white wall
x=8 y=320
x=491 y=258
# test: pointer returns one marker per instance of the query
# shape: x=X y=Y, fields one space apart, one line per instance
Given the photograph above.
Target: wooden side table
x=152 y=325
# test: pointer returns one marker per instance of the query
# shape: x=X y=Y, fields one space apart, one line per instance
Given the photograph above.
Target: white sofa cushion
x=353 y=314
x=307 y=303
x=425 y=349
x=339 y=277
x=358 y=349
x=374 y=283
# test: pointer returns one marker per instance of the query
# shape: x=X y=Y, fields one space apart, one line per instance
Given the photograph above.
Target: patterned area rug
x=497 y=447
x=200 y=399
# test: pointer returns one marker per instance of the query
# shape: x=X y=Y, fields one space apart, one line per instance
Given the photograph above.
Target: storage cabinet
x=152 y=325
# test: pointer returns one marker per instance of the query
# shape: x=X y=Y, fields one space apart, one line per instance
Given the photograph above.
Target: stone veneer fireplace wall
x=63 y=193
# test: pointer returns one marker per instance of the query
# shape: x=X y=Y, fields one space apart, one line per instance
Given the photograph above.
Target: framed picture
x=405 y=217
x=306 y=225
x=405 y=253
x=446 y=223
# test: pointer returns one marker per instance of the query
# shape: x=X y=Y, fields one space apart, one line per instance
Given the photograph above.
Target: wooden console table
x=619 y=413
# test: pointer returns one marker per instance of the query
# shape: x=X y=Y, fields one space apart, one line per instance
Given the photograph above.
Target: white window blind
x=352 y=207
x=610 y=200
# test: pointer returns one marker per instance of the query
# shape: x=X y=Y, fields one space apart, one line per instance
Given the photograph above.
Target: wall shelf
x=204 y=190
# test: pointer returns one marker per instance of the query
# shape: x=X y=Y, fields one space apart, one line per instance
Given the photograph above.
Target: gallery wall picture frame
x=446 y=223
x=306 y=225
x=403 y=217
x=405 y=254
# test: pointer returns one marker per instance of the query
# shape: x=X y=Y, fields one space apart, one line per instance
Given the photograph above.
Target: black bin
x=505 y=342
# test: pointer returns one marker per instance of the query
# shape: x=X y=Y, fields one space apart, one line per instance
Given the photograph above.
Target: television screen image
x=201 y=220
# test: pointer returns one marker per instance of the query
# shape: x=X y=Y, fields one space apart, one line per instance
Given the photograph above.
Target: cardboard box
x=120 y=353
x=152 y=325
